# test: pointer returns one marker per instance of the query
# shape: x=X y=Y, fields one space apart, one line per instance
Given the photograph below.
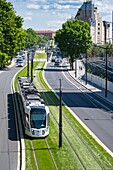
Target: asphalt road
x=9 y=143
x=95 y=112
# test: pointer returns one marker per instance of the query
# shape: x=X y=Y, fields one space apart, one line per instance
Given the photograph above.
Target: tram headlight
x=43 y=132
x=33 y=132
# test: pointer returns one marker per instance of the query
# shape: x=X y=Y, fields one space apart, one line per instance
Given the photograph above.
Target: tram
x=35 y=114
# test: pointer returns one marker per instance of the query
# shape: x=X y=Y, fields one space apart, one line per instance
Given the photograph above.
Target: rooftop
x=44 y=31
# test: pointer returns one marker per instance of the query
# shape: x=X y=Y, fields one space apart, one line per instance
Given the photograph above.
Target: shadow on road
x=12 y=132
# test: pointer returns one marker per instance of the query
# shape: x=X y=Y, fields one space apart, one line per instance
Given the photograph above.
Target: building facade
x=48 y=33
x=101 y=31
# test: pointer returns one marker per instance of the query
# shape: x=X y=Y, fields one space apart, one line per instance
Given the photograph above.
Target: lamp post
x=86 y=67
x=32 y=66
x=106 y=72
x=106 y=75
x=47 y=56
x=32 y=70
x=60 y=118
x=28 y=64
x=106 y=48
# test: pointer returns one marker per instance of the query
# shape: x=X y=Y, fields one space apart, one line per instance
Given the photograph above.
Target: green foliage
x=109 y=47
x=41 y=55
x=43 y=40
x=31 y=37
x=96 y=51
x=34 y=39
x=100 y=50
x=12 y=36
x=3 y=59
x=74 y=38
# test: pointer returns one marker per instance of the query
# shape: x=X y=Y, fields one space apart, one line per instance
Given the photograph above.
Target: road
x=95 y=112
x=9 y=143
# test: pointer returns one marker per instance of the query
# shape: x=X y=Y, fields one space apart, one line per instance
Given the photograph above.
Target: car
x=58 y=61
x=53 y=58
x=20 y=63
x=19 y=59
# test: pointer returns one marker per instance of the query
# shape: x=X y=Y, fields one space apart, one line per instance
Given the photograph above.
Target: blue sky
x=51 y=14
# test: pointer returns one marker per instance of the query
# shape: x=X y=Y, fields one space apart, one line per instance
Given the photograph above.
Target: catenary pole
x=60 y=117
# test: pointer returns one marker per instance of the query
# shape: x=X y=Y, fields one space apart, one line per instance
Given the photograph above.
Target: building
x=50 y=34
x=101 y=31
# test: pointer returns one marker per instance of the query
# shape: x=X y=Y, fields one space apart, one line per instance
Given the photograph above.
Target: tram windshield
x=38 y=118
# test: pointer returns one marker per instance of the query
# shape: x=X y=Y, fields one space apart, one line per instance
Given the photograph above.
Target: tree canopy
x=31 y=37
x=74 y=38
x=12 y=35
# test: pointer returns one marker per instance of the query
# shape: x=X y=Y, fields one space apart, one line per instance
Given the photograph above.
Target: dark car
x=53 y=58
x=58 y=61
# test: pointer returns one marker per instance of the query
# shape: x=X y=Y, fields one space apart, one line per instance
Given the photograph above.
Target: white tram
x=35 y=114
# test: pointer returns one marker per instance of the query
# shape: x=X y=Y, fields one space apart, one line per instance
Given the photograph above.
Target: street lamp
x=106 y=48
x=86 y=68
x=31 y=69
x=28 y=64
x=106 y=73
x=60 y=117
x=33 y=53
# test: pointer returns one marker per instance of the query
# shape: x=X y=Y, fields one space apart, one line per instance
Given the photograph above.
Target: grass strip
x=30 y=162
x=42 y=154
x=40 y=55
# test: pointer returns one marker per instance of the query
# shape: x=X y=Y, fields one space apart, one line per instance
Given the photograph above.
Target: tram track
x=34 y=149
x=49 y=149
x=34 y=154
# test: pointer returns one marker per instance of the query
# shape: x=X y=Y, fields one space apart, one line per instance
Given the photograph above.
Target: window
x=38 y=118
x=27 y=121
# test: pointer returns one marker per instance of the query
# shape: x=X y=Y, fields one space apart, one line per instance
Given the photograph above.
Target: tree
x=74 y=38
x=31 y=37
x=95 y=51
x=3 y=59
x=109 y=47
x=11 y=31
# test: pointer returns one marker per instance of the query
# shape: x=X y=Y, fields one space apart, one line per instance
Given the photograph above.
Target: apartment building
x=101 y=31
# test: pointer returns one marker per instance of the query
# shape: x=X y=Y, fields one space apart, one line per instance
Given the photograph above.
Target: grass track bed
x=42 y=154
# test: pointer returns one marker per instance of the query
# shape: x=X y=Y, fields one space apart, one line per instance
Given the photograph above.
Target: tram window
x=27 y=120
x=38 y=118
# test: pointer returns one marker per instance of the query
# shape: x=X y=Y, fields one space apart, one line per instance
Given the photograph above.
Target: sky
x=51 y=14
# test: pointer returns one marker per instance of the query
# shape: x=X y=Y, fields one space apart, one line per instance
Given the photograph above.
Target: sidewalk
x=93 y=87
